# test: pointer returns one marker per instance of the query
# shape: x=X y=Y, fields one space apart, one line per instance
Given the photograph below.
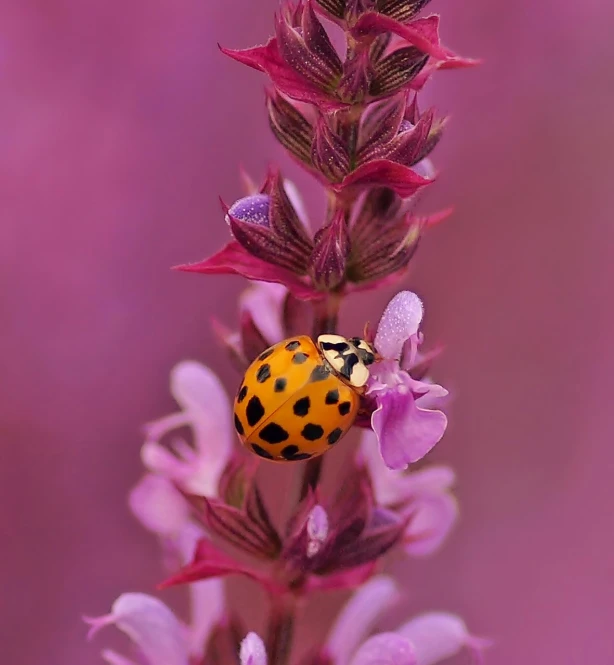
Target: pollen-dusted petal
x=151 y=625
x=253 y=651
x=385 y=649
x=405 y=432
x=253 y=209
x=358 y=617
x=400 y=321
x=436 y=636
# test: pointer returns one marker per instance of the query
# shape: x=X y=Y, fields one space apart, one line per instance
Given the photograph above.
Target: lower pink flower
x=405 y=429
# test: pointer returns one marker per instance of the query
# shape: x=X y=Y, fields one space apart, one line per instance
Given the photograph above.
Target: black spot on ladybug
x=299 y=358
x=254 y=410
x=301 y=406
x=239 y=425
x=241 y=395
x=261 y=451
x=348 y=365
x=292 y=346
x=292 y=453
x=319 y=373
x=263 y=373
x=344 y=408
x=280 y=385
x=273 y=433
x=334 y=436
x=265 y=354
x=339 y=347
x=312 y=432
x=332 y=396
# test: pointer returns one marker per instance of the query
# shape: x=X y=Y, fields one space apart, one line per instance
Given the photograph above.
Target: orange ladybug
x=299 y=397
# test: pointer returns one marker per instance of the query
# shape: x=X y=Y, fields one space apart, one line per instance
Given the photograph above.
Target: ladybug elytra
x=299 y=397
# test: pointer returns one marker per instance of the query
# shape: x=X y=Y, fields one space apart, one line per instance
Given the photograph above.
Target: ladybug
x=299 y=397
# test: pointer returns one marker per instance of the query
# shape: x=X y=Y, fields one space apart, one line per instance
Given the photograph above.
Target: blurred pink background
x=121 y=125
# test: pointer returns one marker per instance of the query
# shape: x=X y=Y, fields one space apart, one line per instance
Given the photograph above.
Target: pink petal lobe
x=151 y=625
x=437 y=636
x=385 y=649
x=405 y=432
x=158 y=505
x=400 y=321
x=359 y=616
x=264 y=302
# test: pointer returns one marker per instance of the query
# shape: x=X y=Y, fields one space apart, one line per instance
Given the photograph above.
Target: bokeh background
x=121 y=123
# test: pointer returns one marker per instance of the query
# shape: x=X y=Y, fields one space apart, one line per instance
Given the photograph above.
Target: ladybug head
x=365 y=351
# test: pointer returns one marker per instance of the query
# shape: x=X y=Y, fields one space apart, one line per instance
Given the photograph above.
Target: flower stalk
x=352 y=121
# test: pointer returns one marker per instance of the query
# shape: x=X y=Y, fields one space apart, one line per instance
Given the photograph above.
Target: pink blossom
x=422 y=495
x=406 y=431
x=205 y=408
x=159 y=636
x=425 y=640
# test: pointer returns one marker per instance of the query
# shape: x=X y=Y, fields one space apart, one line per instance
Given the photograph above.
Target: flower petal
x=158 y=505
x=151 y=625
x=389 y=487
x=207 y=410
x=207 y=608
x=114 y=658
x=400 y=321
x=437 y=636
x=405 y=432
x=253 y=651
x=358 y=617
x=264 y=302
x=433 y=516
x=385 y=649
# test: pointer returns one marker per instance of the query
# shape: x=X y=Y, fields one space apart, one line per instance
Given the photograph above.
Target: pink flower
x=423 y=495
x=205 y=408
x=159 y=636
x=425 y=640
x=406 y=431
